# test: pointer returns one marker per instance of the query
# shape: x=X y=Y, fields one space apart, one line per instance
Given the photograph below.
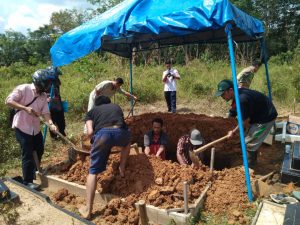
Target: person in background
x=155 y=140
x=55 y=103
x=245 y=77
x=169 y=78
x=108 y=88
x=105 y=124
x=258 y=115
x=186 y=143
x=30 y=101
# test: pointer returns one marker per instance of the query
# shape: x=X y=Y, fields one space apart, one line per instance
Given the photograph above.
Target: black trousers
x=29 y=143
x=170 y=97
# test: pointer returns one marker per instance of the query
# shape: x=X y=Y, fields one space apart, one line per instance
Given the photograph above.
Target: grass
x=8 y=213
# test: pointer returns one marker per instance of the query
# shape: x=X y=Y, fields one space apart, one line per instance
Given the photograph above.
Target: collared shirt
x=105 y=88
x=184 y=146
x=170 y=82
x=24 y=94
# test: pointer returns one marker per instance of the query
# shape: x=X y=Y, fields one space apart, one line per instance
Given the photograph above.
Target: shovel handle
x=203 y=148
x=66 y=139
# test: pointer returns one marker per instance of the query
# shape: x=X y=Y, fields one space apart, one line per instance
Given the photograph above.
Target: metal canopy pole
x=265 y=58
x=228 y=29
x=131 y=88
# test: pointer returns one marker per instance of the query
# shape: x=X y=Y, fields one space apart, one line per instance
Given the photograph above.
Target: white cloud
x=25 y=17
x=20 y=15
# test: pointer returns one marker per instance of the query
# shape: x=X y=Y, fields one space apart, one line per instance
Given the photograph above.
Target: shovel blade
x=194 y=158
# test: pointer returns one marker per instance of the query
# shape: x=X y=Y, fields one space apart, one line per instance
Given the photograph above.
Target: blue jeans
x=104 y=140
x=170 y=97
x=29 y=143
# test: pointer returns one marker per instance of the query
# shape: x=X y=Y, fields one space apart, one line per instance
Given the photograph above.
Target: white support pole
x=212 y=160
x=186 y=197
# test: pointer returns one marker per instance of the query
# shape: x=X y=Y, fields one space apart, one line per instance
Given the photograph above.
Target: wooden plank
x=54 y=184
x=200 y=201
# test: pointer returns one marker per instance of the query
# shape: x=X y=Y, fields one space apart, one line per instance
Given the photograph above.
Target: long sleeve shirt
x=24 y=94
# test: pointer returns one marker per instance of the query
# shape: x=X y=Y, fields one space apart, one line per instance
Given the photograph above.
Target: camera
x=169 y=74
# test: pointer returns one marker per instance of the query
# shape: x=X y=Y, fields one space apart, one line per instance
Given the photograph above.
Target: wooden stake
x=212 y=160
x=185 y=197
x=142 y=211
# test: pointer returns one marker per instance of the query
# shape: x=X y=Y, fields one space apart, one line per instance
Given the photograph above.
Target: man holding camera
x=169 y=78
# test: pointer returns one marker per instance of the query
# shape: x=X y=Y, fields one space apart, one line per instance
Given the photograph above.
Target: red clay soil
x=159 y=183
x=176 y=125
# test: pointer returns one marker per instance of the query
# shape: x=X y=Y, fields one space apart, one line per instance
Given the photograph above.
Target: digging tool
x=131 y=109
x=72 y=144
x=67 y=140
x=194 y=158
x=261 y=188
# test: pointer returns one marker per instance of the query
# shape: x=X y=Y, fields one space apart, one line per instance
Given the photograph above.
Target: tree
x=12 y=48
x=39 y=44
x=103 y=5
x=66 y=20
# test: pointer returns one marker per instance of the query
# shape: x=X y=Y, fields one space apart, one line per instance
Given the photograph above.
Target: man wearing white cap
x=186 y=143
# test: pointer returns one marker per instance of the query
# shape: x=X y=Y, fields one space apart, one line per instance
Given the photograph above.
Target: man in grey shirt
x=108 y=88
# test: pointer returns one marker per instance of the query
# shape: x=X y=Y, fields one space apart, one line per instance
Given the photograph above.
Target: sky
x=20 y=15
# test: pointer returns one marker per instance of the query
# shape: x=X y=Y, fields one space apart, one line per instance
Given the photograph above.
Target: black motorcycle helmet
x=42 y=79
x=55 y=71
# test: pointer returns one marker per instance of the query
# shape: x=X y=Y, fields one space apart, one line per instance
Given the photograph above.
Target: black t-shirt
x=106 y=115
x=256 y=106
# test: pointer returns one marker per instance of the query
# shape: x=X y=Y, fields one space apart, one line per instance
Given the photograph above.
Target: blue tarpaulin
x=142 y=24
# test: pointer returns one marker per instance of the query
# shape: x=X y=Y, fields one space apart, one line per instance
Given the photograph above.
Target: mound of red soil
x=160 y=183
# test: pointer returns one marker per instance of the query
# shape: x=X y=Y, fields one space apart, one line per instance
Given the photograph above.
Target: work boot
x=252 y=158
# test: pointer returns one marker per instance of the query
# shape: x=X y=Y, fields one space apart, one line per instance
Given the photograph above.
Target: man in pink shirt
x=30 y=101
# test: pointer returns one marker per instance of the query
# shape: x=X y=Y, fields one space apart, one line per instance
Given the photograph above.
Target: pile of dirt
x=228 y=194
x=160 y=183
x=149 y=178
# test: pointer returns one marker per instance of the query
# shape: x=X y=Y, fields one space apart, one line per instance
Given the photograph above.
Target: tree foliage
x=281 y=20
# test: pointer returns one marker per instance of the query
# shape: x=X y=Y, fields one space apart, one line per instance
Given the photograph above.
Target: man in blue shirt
x=258 y=114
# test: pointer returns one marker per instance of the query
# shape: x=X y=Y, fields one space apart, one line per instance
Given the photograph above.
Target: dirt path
x=33 y=210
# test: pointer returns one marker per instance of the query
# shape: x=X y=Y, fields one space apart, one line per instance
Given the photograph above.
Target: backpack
x=13 y=112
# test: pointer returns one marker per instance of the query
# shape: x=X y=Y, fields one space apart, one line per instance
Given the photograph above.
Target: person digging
x=105 y=124
x=30 y=101
x=258 y=113
x=186 y=143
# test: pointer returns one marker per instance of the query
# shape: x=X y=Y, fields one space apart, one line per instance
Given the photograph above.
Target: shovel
x=193 y=154
x=131 y=110
x=74 y=150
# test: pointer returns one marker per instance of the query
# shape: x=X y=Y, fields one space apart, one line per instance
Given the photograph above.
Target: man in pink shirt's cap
x=30 y=102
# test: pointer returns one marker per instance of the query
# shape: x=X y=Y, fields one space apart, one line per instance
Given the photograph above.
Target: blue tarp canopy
x=147 y=24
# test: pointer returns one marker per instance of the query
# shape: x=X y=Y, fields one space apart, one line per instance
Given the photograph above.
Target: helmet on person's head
x=42 y=79
x=55 y=71
x=195 y=137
